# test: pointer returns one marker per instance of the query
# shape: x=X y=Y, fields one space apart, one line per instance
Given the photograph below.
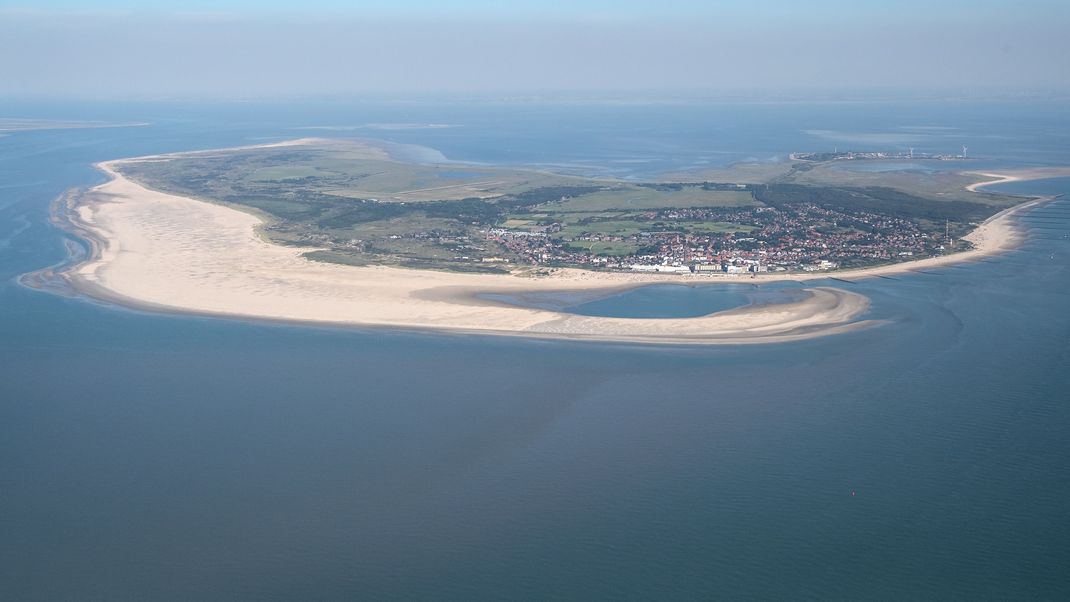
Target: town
x=802 y=237
x=837 y=155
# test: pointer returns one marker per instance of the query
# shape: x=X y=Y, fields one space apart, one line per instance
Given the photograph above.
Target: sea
x=146 y=456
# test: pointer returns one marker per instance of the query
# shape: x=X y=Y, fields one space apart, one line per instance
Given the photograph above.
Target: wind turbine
x=963 y=151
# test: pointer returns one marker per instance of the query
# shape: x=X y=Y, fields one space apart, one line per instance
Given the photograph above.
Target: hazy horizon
x=236 y=49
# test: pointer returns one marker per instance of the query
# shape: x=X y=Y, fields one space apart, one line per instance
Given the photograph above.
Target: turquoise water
x=659 y=300
x=674 y=301
x=147 y=456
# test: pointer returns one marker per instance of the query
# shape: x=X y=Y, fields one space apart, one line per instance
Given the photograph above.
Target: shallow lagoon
x=659 y=300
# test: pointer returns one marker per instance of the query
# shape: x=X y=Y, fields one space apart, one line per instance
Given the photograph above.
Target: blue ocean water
x=147 y=456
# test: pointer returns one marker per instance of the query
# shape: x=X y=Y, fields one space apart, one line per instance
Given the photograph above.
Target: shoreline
x=1017 y=175
x=165 y=253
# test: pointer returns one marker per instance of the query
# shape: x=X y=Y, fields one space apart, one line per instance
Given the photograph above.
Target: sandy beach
x=159 y=251
x=1018 y=175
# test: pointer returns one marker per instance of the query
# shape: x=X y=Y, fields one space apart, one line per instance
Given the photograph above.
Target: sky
x=268 y=48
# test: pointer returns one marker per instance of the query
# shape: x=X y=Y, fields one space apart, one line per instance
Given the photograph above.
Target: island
x=8 y=124
x=348 y=233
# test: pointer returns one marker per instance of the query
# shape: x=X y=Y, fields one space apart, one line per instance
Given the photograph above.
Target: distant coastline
x=10 y=125
x=163 y=252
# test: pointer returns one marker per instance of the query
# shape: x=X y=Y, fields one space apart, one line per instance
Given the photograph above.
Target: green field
x=635 y=197
x=610 y=227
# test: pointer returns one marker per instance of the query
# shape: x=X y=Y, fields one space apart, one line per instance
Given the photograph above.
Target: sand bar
x=1018 y=175
x=165 y=252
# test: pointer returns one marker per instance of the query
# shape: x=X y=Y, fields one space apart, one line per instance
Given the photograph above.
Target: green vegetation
x=284 y=173
x=934 y=186
x=872 y=199
x=339 y=169
x=639 y=197
x=362 y=207
x=613 y=227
